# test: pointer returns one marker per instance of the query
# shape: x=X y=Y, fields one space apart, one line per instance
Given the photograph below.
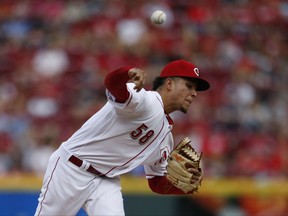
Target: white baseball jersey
x=121 y=136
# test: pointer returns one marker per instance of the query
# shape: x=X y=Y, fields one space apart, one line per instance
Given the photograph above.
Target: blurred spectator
x=36 y=155
x=50 y=62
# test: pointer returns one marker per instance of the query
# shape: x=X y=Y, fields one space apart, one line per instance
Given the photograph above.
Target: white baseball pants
x=66 y=188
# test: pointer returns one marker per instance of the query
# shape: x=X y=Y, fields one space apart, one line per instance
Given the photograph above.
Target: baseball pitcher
x=133 y=128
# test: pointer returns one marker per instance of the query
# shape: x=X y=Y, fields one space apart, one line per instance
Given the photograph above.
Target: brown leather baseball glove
x=180 y=160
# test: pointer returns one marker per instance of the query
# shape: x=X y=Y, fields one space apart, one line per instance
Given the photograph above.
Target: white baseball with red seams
x=158 y=17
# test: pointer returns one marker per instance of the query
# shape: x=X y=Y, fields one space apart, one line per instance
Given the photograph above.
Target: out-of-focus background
x=54 y=55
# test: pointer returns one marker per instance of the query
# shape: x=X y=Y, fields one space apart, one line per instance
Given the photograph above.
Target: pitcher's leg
x=65 y=188
x=106 y=199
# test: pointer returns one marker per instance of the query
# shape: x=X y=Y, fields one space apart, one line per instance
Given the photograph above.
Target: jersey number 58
x=141 y=134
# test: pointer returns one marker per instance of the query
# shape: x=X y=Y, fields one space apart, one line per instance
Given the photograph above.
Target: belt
x=78 y=162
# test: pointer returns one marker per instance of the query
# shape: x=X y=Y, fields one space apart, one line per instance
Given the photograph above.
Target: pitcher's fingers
x=140 y=80
x=194 y=171
x=134 y=72
x=138 y=86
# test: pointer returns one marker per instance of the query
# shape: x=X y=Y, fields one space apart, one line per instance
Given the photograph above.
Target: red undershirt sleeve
x=116 y=81
x=161 y=185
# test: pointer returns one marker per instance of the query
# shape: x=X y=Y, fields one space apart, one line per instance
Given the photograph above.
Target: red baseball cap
x=181 y=68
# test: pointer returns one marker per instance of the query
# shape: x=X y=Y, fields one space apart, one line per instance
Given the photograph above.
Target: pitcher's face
x=184 y=92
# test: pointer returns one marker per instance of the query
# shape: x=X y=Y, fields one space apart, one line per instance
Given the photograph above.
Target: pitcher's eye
x=190 y=85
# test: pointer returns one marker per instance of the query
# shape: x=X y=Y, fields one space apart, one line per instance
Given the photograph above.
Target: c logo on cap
x=196 y=71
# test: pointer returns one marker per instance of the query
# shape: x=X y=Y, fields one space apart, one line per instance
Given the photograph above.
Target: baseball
x=158 y=17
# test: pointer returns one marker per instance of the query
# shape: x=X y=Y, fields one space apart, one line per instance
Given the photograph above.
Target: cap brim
x=202 y=84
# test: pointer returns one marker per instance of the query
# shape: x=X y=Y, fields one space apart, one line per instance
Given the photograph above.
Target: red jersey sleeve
x=116 y=81
x=161 y=185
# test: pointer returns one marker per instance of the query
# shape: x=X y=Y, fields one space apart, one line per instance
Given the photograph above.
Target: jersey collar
x=171 y=122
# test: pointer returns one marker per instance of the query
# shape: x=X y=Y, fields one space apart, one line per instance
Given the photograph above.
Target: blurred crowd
x=54 y=55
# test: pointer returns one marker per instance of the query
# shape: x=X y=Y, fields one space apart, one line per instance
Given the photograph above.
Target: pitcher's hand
x=138 y=77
